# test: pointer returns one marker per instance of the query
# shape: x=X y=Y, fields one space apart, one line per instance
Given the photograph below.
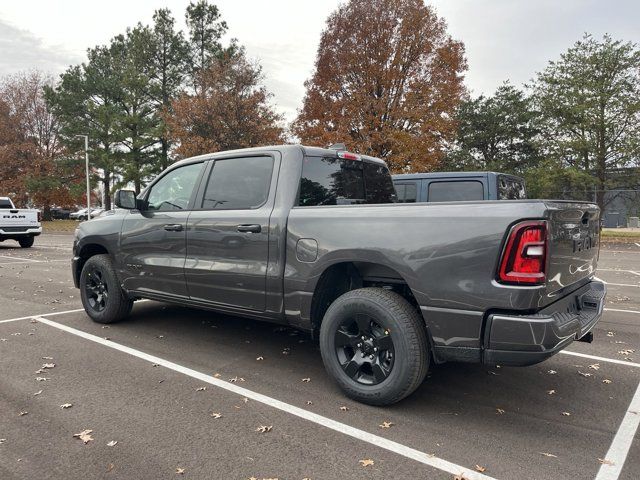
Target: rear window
x=334 y=181
x=407 y=192
x=458 y=191
x=510 y=188
x=4 y=203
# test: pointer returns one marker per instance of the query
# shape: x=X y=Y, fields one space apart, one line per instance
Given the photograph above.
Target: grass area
x=60 y=226
x=621 y=234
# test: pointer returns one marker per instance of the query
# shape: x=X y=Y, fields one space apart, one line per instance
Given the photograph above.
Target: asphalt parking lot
x=183 y=394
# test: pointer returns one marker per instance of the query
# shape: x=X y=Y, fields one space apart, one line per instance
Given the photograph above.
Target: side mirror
x=126 y=199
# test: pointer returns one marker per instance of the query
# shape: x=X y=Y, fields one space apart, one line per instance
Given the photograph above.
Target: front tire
x=26 y=242
x=102 y=297
x=374 y=344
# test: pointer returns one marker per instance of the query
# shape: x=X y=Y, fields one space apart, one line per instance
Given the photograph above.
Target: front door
x=153 y=239
x=228 y=233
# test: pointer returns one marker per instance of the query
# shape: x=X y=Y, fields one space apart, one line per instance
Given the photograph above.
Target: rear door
x=574 y=237
x=153 y=239
x=228 y=233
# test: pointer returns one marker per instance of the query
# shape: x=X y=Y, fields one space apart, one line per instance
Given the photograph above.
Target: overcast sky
x=504 y=39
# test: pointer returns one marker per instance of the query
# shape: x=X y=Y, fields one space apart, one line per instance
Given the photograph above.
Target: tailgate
x=18 y=218
x=574 y=242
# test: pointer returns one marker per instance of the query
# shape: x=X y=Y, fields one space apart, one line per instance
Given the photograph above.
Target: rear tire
x=374 y=344
x=102 y=297
x=26 y=242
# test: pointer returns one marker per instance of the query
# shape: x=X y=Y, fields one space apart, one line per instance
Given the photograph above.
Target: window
x=5 y=203
x=173 y=191
x=378 y=184
x=510 y=188
x=238 y=183
x=407 y=192
x=333 y=181
x=455 y=191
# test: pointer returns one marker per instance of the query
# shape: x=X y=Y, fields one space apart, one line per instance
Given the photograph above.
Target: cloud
x=21 y=50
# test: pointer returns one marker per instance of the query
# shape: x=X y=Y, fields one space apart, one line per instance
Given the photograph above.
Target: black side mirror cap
x=126 y=199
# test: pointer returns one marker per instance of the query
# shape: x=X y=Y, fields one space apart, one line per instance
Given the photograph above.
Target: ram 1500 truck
x=311 y=238
x=19 y=224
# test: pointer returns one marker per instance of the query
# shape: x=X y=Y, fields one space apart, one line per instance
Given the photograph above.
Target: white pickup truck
x=22 y=225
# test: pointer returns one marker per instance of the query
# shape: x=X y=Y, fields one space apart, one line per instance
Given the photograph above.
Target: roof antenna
x=338 y=147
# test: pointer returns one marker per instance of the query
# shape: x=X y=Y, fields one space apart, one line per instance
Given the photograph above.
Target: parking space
x=153 y=384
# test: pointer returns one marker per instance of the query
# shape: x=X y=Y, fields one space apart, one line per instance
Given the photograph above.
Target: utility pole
x=86 y=160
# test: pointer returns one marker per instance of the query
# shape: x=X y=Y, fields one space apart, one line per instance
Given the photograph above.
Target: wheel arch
x=84 y=253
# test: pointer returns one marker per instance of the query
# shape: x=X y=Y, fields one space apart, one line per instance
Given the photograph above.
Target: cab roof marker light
x=348 y=156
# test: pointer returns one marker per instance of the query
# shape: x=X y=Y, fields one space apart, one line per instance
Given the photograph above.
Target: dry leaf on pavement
x=547 y=454
x=551 y=392
x=344 y=408
x=216 y=415
x=22 y=414
x=112 y=443
x=85 y=436
x=386 y=424
x=306 y=380
x=606 y=380
x=604 y=461
x=499 y=411
x=259 y=358
x=66 y=405
x=595 y=366
x=552 y=372
x=584 y=374
x=566 y=414
x=48 y=365
x=264 y=428
x=367 y=462
x=480 y=468
x=179 y=471
x=201 y=389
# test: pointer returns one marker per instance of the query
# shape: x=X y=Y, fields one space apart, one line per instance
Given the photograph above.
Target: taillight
x=525 y=255
x=348 y=156
x=39 y=216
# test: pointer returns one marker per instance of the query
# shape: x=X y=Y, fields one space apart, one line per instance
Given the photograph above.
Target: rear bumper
x=20 y=232
x=529 y=339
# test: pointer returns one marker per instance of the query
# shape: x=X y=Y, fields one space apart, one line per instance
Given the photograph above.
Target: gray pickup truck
x=312 y=238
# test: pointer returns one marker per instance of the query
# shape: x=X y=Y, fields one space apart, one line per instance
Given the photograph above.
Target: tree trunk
x=601 y=183
x=46 y=212
x=107 y=190
x=164 y=155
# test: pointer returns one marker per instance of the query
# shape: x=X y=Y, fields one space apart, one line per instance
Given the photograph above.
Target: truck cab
x=458 y=186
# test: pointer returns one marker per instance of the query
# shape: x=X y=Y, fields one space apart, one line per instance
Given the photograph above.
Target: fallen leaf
x=306 y=380
x=460 y=477
x=610 y=334
x=552 y=372
x=585 y=374
x=216 y=415
x=110 y=467
x=546 y=454
x=112 y=443
x=499 y=411
x=606 y=380
x=22 y=414
x=201 y=389
x=2 y=440
x=155 y=365
x=566 y=414
x=367 y=462
x=344 y=408
x=66 y=405
x=85 y=436
x=264 y=428
x=595 y=366
x=259 y=358
x=627 y=351
x=480 y=468
x=37 y=393
x=216 y=375
x=604 y=461
x=386 y=425
x=179 y=471
x=48 y=365
x=42 y=379
x=551 y=392
x=309 y=402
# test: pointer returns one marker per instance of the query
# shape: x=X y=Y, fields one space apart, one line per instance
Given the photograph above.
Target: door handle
x=173 y=227
x=250 y=228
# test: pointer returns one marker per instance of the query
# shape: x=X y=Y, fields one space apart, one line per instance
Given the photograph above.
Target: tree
x=498 y=132
x=35 y=155
x=168 y=69
x=387 y=81
x=231 y=110
x=205 y=31
x=590 y=101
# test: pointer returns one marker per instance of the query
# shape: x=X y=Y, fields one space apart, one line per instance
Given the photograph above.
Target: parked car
x=82 y=213
x=312 y=238
x=458 y=186
x=59 y=213
x=19 y=224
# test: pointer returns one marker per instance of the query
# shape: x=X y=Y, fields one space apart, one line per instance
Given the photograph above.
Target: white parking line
x=637 y=244
x=620 y=310
x=617 y=454
x=618 y=270
x=356 y=433
x=36 y=261
x=20 y=258
x=600 y=359
x=36 y=316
